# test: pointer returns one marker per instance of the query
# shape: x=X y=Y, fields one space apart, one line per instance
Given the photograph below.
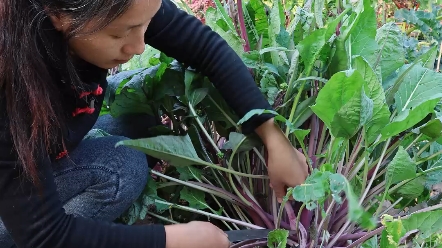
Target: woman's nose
x=136 y=46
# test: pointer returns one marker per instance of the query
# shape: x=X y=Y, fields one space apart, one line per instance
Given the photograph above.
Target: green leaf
x=277 y=117
x=341 y=87
x=391 y=52
x=311 y=48
x=301 y=134
x=224 y=14
x=372 y=242
x=402 y=167
x=194 y=197
x=428 y=223
x=412 y=189
x=352 y=116
x=277 y=238
x=313 y=189
x=432 y=129
x=257 y=24
x=394 y=83
x=269 y=85
x=374 y=90
x=303 y=111
x=247 y=142
x=189 y=172
x=175 y=150
x=194 y=96
x=362 y=35
x=393 y=233
x=337 y=185
x=132 y=98
x=231 y=37
x=414 y=116
x=419 y=86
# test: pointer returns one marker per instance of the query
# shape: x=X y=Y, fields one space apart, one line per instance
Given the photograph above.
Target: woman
x=58 y=190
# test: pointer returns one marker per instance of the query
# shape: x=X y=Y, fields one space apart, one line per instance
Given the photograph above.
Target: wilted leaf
x=392 y=233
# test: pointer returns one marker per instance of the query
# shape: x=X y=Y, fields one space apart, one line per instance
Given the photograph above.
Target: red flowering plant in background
x=199 y=7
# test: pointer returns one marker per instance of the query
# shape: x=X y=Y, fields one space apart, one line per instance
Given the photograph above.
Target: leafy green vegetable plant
x=367 y=119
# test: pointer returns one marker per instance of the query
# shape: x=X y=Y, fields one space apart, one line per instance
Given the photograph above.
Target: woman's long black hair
x=26 y=85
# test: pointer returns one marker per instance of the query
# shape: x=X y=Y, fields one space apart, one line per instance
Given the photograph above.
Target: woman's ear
x=61 y=22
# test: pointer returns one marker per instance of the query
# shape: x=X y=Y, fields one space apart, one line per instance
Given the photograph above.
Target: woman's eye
x=116 y=36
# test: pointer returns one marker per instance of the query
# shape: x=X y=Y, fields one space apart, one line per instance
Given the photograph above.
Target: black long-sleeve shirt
x=37 y=219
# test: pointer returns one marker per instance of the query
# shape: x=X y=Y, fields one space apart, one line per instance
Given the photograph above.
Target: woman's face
x=116 y=43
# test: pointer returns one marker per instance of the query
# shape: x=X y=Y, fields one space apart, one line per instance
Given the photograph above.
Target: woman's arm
x=186 y=39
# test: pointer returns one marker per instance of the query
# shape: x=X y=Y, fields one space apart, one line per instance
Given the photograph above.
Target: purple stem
x=283 y=224
x=306 y=218
x=262 y=243
x=243 y=26
x=339 y=215
x=352 y=236
x=260 y=212
x=303 y=239
x=366 y=237
x=220 y=190
x=291 y=215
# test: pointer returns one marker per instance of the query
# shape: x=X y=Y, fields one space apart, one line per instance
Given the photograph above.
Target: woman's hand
x=195 y=234
x=287 y=167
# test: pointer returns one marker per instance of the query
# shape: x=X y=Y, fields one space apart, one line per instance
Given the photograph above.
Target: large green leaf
x=175 y=150
x=416 y=97
x=414 y=116
x=316 y=44
x=256 y=10
x=400 y=168
x=419 y=86
x=375 y=92
x=428 y=223
x=391 y=53
x=131 y=97
x=336 y=93
x=363 y=33
x=352 y=115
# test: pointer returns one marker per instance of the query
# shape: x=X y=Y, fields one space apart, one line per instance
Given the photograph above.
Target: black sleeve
x=35 y=218
x=185 y=38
